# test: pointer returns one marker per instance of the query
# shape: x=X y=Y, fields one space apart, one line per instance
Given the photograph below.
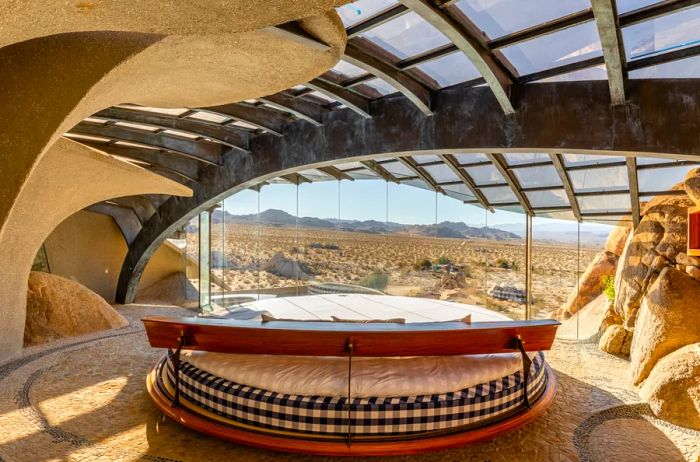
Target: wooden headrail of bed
x=332 y=338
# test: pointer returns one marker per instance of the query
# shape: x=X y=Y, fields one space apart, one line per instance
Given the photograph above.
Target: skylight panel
x=406 y=36
x=356 y=12
x=566 y=46
x=450 y=69
x=502 y=17
x=662 y=34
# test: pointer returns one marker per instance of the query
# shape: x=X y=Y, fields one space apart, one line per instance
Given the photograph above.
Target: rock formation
x=617 y=239
x=58 y=307
x=282 y=266
x=175 y=289
x=668 y=320
x=591 y=283
x=673 y=387
x=616 y=340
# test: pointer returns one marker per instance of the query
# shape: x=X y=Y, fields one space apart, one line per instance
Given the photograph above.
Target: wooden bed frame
x=347 y=340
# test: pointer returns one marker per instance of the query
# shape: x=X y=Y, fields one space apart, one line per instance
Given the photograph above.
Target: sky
x=374 y=200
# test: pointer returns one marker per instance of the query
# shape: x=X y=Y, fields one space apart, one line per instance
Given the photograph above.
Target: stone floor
x=84 y=399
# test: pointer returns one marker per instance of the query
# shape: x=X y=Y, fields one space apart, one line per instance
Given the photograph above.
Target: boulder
x=661 y=233
x=668 y=320
x=175 y=289
x=284 y=267
x=58 y=307
x=617 y=239
x=673 y=387
x=591 y=283
x=692 y=185
x=616 y=340
x=587 y=323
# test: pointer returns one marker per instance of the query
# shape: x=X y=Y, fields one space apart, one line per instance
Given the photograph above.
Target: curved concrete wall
x=70 y=177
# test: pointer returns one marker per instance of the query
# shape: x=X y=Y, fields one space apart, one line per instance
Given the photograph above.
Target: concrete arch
x=70 y=177
x=552 y=117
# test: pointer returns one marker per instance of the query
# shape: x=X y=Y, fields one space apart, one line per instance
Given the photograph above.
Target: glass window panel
x=589 y=73
x=604 y=203
x=352 y=13
x=451 y=69
x=485 y=174
x=589 y=159
x=204 y=261
x=623 y=6
x=364 y=174
x=557 y=49
x=240 y=247
x=398 y=169
x=534 y=177
x=551 y=198
x=519 y=158
x=688 y=68
x=381 y=86
x=559 y=215
x=662 y=179
x=349 y=165
x=426 y=158
x=470 y=158
x=316 y=175
x=502 y=17
x=418 y=183
x=209 y=117
x=441 y=173
x=406 y=36
x=501 y=194
x=664 y=33
x=348 y=70
x=599 y=179
x=459 y=191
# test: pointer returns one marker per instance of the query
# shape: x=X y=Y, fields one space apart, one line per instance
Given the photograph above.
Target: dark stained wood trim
x=558 y=163
x=301 y=109
x=352 y=100
x=205 y=152
x=331 y=338
x=492 y=72
x=605 y=13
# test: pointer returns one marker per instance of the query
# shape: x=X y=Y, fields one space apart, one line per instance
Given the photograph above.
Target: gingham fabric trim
x=370 y=416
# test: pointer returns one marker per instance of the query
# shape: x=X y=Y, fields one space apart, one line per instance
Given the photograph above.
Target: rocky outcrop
x=175 y=289
x=591 y=283
x=617 y=239
x=673 y=387
x=668 y=320
x=281 y=266
x=616 y=340
x=659 y=238
x=58 y=307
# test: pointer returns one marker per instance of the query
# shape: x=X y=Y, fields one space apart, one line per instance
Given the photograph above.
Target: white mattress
x=371 y=377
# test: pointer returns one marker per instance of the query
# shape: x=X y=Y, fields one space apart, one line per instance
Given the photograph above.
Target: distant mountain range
x=449 y=229
x=592 y=234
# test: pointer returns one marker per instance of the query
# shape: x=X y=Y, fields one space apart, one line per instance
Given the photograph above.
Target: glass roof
x=549 y=198
x=348 y=70
x=624 y=6
x=485 y=175
x=502 y=17
x=537 y=177
x=406 y=36
x=688 y=68
x=599 y=179
x=352 y=13
x=450 y=69
x=381 y=86
x=661 y=179
x=665 y=33
x=563 y=47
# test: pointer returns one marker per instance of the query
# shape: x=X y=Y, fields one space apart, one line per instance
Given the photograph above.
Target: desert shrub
x=609 y=287
x=422 y=264
x=442 y=260
x=466 y=271
x=505 y=264
x=377 y=279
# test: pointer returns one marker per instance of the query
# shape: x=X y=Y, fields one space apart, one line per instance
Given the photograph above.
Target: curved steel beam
x=492 y=72
x=606 y=19
x=502 y=166
x=577 y=115
x=355 y=102
x=558 y=163
x=415 y=91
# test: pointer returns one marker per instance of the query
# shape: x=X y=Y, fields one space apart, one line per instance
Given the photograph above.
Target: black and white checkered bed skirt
x=380 y=416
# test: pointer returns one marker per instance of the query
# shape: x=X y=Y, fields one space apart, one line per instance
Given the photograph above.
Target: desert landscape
x=409 y=260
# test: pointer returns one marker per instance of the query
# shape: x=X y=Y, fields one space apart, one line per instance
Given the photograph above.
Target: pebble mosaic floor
x=84 y=399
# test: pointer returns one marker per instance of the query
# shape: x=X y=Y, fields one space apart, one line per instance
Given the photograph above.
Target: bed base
x=190 y=415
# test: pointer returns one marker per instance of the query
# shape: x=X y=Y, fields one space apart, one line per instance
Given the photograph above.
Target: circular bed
x=397 y=404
